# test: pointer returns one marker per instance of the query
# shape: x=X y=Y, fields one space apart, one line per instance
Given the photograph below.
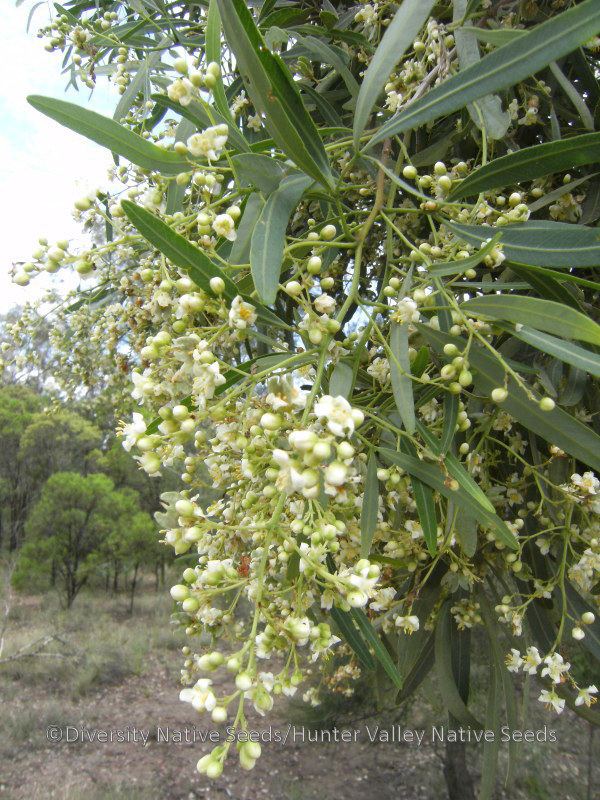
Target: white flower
x=224 y=225
x=254 y=122
x=406 y=311
x=380 y=370
x=552 y=700
x=340 y=415
x=408 y=624
x=298 y=629
x=181 y=91
x=531 y=660
x=585 y=696
x=383 y=599
x=207 y=378
x=513 y=660
x=555 y=667
x=587 y=483
x=209 y=143
x=200 y=695
x=241 y=314
x=325 y=304
x=143 y=385
x=133 y=431
x=336 y=473
x=393 y=101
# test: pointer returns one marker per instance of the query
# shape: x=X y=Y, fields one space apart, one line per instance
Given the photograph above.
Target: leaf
x=400 y=34
x=491 y=746
x=556 y=426
x=140 y=80
x=274 y=92
x=108 y=133
x=317 y=50
x=450 y=419
x=342 y=379
x=176 y=192
x=565 y=351
x=424 y=502
x=349 y=632
x=544 y=315
x=504 y=67
x=401 y=376
x=455 y=468
x=268 y=239
x=433 y=476
x=488 y=111
x=466 y=532
x=264 y=172
x=381 y=652
x=530 y=163
x=240 y=251
x=497 y=36
x=445 y=675
x=370 y=507
x=178 y=250
x=443 y=268
x=539 y=242
x=212 y=46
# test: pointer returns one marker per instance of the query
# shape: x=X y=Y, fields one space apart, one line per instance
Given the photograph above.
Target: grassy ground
x=107 y=669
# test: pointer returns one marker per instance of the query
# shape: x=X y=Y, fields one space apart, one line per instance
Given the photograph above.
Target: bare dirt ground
x=166 y=770
x=115 y=672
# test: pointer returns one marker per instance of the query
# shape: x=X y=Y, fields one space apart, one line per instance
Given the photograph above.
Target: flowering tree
x=350 y=256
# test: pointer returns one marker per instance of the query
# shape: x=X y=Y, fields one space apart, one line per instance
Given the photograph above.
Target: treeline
x=75 y=509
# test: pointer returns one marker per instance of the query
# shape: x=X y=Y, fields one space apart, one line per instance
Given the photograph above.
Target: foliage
x=77 y=518
x=347 y=267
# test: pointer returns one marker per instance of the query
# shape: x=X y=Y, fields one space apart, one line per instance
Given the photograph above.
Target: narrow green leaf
x=565 y=351
x=445 y=675
x=401 y=376
x=488 y=112
x=556 y=426
x=497 y=37
x=424 y=502
x=108 y=133
x=539 y=242
x=268 y=239
x=433 y=476
x=262 y=171
x=450 y=419
x=544 y=315
x=370 y=507
x=319 y=51
x=398 y=37
x=274 y=92
x=491 y=747
x=381 y=652
x=240 y=251
x=530 y=163
x=178 y=250
x=504 y=67
x=443 y=268
x=455 y=468
x=212 y=46
x=347 y=628
x=342 y=379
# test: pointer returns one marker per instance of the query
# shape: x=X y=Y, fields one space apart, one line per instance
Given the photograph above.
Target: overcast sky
x=44 y=167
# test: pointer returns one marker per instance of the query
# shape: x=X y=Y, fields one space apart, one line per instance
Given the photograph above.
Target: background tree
x=68 y=527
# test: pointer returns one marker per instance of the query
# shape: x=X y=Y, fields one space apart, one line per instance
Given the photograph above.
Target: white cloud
x=45 y=167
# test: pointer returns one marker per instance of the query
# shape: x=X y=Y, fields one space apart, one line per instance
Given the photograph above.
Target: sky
x=44 y=167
